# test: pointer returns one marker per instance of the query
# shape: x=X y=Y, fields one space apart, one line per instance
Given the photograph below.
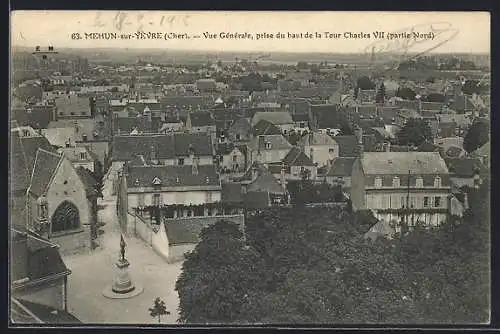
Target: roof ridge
x=52 y=153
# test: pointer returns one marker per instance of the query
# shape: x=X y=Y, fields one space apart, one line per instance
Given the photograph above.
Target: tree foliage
x=312 y=265
x=380 y=97
x=158 y=310
x=477 y=135
x=406 y=93
x=414 y=132
x=363 y=83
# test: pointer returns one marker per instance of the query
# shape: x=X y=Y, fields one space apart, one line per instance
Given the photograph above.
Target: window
x=419 y=182
x=332 y=150
x=378 y=182
x=437 y=182
x=403 y=201
x=235 y=158
x=180 y=161
x=437 y=201
x=238 y=136
x=199 y=211
x=83 y=156
x=268 y=145
x=140 y=200
x=426 y=201
x=396 y=182
x=26 y=133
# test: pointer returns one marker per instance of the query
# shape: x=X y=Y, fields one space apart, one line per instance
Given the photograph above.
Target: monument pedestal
x=122 y=286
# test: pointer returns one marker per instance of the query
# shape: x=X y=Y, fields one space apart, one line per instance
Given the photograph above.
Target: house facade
x=398 y=187
x=268 y=149
x=57 y=188
x=320 y=147
x=79 y=157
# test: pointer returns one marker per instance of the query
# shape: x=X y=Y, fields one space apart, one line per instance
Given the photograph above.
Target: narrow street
x=92 y=272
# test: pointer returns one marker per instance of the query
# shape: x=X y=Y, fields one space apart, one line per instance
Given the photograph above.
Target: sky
x=453 y=32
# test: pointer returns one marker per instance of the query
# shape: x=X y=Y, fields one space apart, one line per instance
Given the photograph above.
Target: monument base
x=122 y=287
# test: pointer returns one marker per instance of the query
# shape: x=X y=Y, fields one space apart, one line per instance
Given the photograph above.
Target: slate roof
x=46 y=164
x=73 y=106
x=390 y=163
x=37 y=117
x=465 y=167
x=278 y=142
x=341 y=166
x=49 y=315
x=241 y=125
x=166 y=146
x=297 y=158
x=483 y=150
x=347 y=145
x=206 y=176
x=274 y=117
x=265 y=182
x=31 y=145
x=226 y=148
x=264 y=127
x=300 y=118
x=327 y=115
x=19 y=171
x=201 y=119
x=83 y=126
x=232 y=193
x=36 y=257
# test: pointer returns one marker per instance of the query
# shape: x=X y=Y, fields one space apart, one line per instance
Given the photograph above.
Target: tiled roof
x=300 y=118
x=201 y=119
x=388 y=163
x=264 y=127
x=341 y=167
x=166 y=146
x=265 y=182
x=240 y=125
x=46 y=164
x=82 y=126
x=297 y=158
x=225 y=148
x=316 y=138
x=465 y=166
x=274 y=117
x=172 y=176
x=31 y=145
x=141 y=124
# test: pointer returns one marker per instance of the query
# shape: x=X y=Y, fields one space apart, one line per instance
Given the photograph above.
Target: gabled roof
x=19 y=171
x=201 y=119
x=46 y=164
x=172 y=176
x=241 y=125
x=277 y=142
x=341 y=166
x=265 y=182
x=419 y=163
x=297 y=158
x=264 y=127
x=316 y=138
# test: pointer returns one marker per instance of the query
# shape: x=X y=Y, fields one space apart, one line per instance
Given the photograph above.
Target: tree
x=435 y=97
x=477 y=135
x=99 y=177
x=363 y=83
x=414 y=132
x=406 y=93
x=159 y=309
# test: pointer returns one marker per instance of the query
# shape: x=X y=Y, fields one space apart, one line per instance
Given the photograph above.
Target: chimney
x=358 y=132
x=311 y=154
x=194 y=166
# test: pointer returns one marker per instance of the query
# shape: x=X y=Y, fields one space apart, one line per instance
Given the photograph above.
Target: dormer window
x=396 y=182
x=177 y=180
x=136 y=183
x=207 y=180
x=437 y=182
x=156 y=181
x=419 y=182
x=378 y=182
x=268 y=145
x=83 y=156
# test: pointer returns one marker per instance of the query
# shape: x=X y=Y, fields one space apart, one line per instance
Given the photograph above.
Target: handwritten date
x=139 y=21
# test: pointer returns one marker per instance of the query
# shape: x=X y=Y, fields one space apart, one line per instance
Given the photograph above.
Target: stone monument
x=123 y=286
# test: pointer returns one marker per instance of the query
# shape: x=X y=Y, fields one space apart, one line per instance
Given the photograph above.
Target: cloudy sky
x=453 y=31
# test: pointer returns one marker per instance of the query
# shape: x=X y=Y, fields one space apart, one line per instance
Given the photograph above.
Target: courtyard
x=92 y=272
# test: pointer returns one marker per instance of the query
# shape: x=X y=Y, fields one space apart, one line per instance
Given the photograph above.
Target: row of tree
x=298 y=266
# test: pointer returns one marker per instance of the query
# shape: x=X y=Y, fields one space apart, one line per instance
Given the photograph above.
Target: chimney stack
x=466 y=201
x=358 y=132
x=283 y=178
